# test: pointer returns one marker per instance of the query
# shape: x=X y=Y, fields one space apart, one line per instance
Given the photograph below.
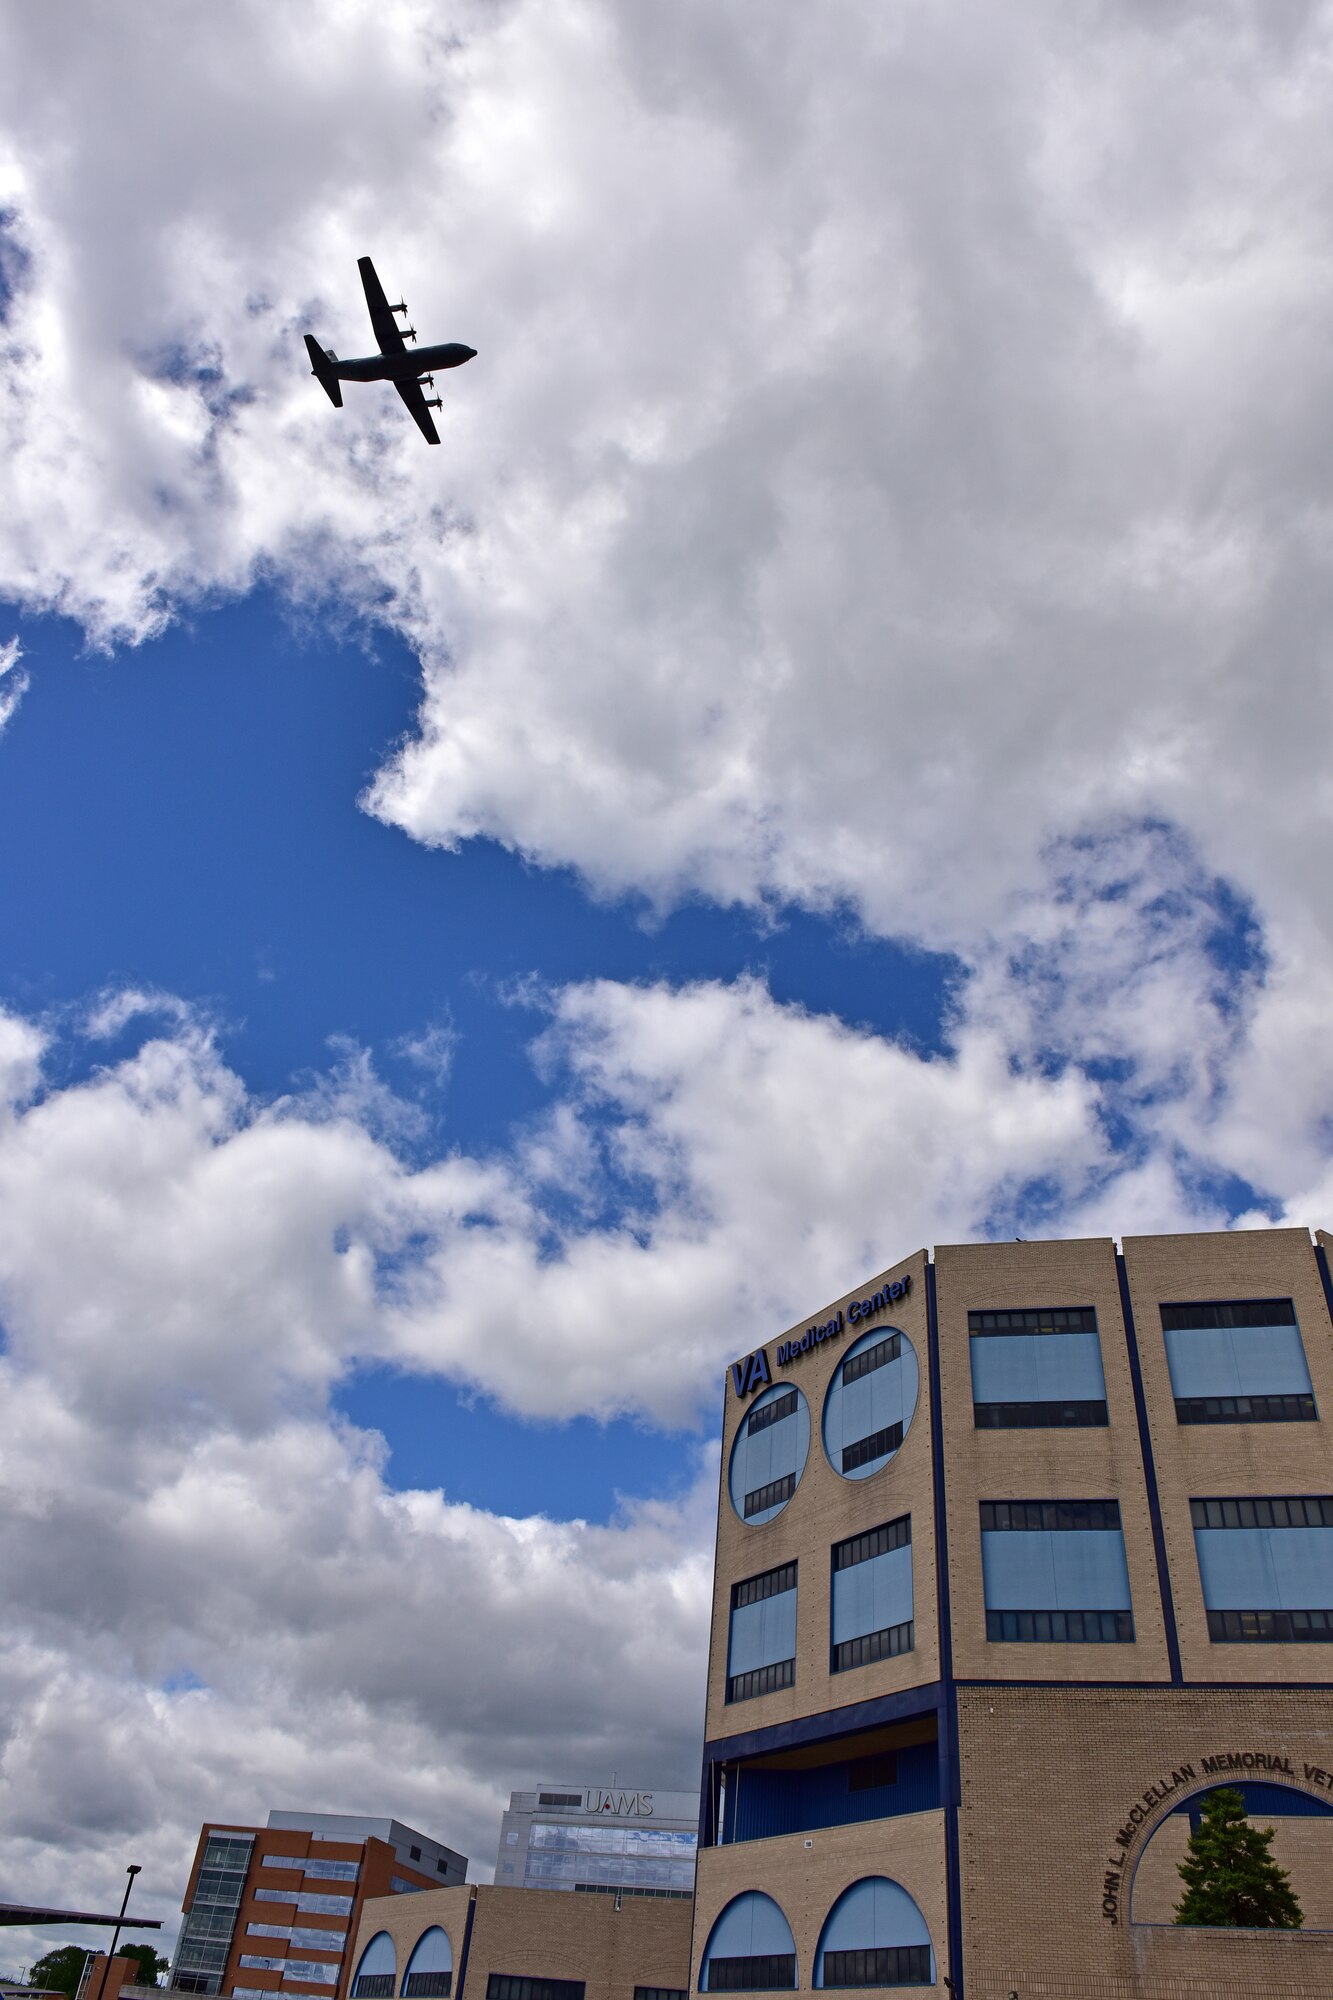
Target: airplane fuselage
x=404 y=367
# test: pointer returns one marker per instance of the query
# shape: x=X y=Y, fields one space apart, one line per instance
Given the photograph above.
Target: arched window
x=870 y=1402
x=378 y=1970
x=749 y=1949
x=768 y=1456
x=874 y=1936
x=430 y=1970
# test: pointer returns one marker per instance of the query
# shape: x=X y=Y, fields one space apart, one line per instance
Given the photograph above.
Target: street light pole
x=131 y=1872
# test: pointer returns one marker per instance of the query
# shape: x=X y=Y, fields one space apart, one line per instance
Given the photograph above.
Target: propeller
x=409 y=333
x=399 y=308
x=428 y=381
x=433 y=402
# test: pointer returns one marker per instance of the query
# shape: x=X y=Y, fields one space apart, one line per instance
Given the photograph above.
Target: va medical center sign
x=754 y=1372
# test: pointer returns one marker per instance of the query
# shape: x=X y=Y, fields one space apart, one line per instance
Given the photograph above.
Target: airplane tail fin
x=319 y=366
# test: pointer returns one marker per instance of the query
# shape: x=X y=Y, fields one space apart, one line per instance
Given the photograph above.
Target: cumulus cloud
x=925 y=456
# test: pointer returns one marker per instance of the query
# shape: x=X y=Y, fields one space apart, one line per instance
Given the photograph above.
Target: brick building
x=1019 y=1553
x=270 y=1910
x=520 y=1944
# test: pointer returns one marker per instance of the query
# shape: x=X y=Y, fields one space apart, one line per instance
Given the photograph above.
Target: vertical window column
x=872 y=1596
x=761 y=1651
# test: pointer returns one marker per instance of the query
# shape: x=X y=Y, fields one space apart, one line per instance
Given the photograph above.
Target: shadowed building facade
x=1021 y=1551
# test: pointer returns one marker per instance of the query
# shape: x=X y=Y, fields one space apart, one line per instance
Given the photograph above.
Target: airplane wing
x=386 y=327
x=416 y=403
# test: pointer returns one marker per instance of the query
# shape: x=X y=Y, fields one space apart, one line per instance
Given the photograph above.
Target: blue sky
x=193 y=836
x=827 y=756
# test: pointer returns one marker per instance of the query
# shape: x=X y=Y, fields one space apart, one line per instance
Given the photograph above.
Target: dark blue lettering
x=759 y=1369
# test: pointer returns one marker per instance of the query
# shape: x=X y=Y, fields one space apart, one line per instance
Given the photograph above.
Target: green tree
x=60 y=1969
x=1230 y=1877
x=151 y=1963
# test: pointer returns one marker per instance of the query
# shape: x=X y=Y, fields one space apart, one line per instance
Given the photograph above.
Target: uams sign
x=626 y=1805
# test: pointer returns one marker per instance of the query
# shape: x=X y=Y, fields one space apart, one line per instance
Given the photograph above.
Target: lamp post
x=131 y=1872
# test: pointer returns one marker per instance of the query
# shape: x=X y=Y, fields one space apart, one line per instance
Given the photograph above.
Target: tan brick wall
x=1049 y=1777
x=1204 y=1459
x=825 y=1509
x=806 y=1873
x=1082 y=1464
x=544 y=1934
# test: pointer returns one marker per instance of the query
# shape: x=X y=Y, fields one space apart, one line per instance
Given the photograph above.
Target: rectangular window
x=400 y=1886
x=428 y=1986
x=268 y=1930
x=318 y=1973
x=880 y=1965
x=878 y=1356
x=262 y=1964
x=761 y=1650
x=775 y=1494
x=1036 y=1368
x=751 y=1975
x=1266 y=1567
x=875 y=1446
x=1237 y=1361
x=282 y=1861
x=375 y=1986
x=871 y=1617
x=574 y=1799
x=504 y=1986
x=661 y=1993
x=320 y=1940
x=771 y=1413
x=1055 y=1572
x=867 y=1774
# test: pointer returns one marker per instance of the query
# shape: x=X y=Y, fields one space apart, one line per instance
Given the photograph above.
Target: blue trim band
x=829 y=1723
x=950 y=1774
x=1150 y=1477
x=467 y=1942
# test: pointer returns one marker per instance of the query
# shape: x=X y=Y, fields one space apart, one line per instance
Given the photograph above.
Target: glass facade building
x=599 y=1840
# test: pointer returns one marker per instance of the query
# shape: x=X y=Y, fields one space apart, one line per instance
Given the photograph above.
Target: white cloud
x=923 y=458
x=13 y=681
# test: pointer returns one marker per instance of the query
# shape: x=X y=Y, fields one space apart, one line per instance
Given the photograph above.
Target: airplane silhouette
x=407 y=368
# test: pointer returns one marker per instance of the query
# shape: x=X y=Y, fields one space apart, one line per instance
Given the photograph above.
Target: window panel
x=1237 y=1361
x=752 y=1975
x=1266 y=1567
x=870 y=1403
x=871 y=1615
x=762 y=1643
x=1054 y=1571
x=1036 y=1369
x=769 y=1454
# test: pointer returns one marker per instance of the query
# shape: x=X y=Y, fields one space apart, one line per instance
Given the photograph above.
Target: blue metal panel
x=872 y=1913
x=378 y=1957
x=904 y=1706
x=432 y=1953
x=760 y=1457
x=1149 y=1474
x=1266 y=1569
x=1057 y=1570
x=768 y=1803
x=855 y=1410
x=762 y=1633
x=870 y=1596
x=1037 y=1368
x=751 y=1926
x=1237 y=1361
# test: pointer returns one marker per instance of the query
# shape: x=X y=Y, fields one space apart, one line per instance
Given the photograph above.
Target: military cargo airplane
x=408 y=368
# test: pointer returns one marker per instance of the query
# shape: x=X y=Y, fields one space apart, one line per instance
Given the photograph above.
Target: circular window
x=870 y=1403
x=768 y=1457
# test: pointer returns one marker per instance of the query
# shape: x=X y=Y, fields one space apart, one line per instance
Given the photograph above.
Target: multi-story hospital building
x=1020 y=1552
